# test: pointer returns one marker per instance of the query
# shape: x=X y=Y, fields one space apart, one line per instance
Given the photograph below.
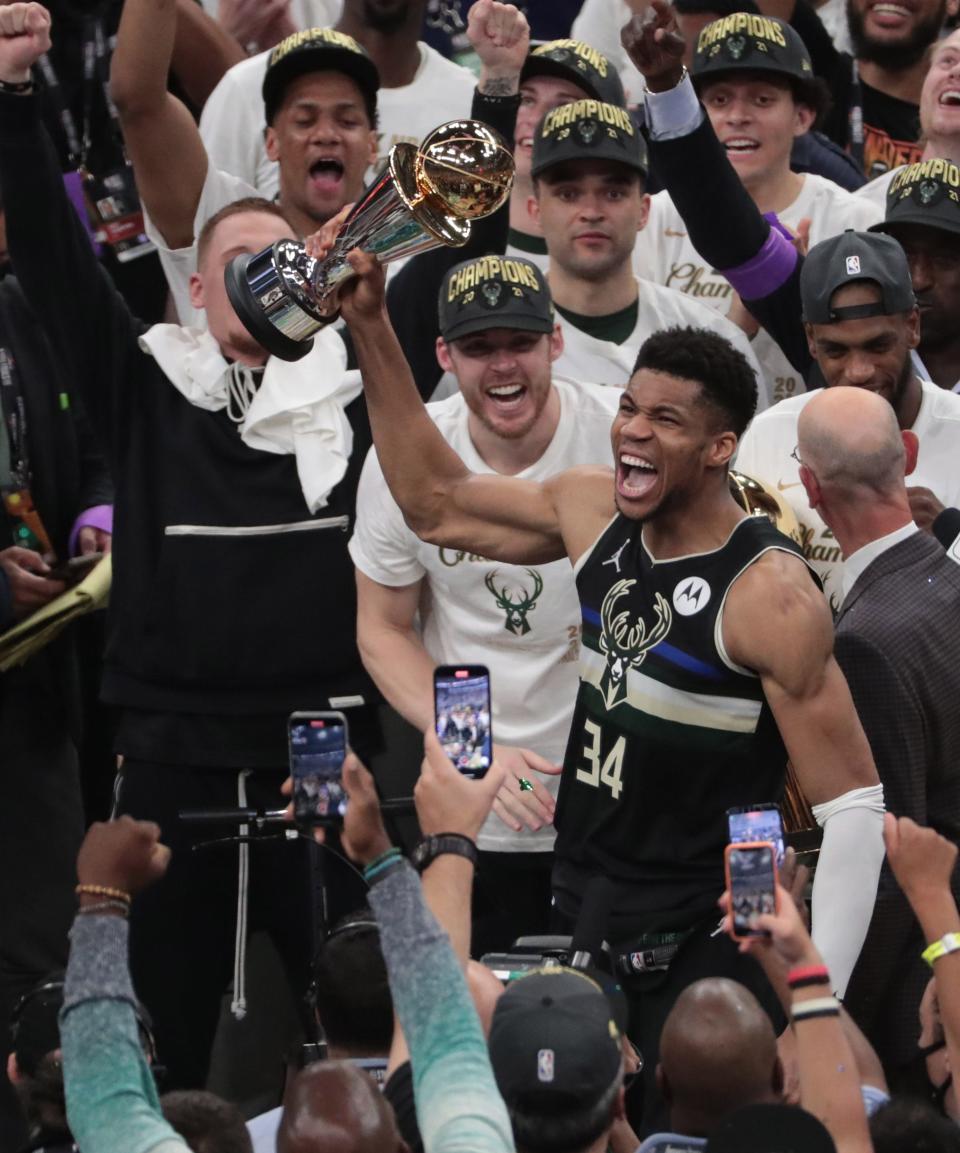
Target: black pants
x=183 y=930
x=41 y=827
x=511 y=898
x=651 y=996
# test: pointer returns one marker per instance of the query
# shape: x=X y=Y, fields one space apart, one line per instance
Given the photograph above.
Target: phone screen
x=318 y=746
x=757 y=823
x=752 y=877
x=461 y=697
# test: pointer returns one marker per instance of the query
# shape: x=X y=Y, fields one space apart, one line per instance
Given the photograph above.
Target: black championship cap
x=579 y=63
x=924 y=193
x=316 y=50
x=554 y=1043
x=770 y=1129
x=845 y=259
x=588 y=130
x=745 y=42
x=494 y=292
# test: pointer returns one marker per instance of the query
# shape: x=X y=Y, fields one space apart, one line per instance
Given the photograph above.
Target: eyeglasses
x=796 y=455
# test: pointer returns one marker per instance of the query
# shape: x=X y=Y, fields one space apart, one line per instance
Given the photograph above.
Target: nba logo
x=853 y=266
x=545 y=1065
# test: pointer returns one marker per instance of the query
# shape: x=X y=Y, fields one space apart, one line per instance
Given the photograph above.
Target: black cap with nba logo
x=494 y=292
x=747 y=42
x=588 y=130
x=926 y=193
x=849 y=258
x=317 y=50
x=555 y=1041
x=579 y=63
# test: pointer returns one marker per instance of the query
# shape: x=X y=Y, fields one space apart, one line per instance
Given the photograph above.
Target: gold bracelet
x=103 y=891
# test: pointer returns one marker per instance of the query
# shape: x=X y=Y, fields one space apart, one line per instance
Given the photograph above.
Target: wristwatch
x=433 y=846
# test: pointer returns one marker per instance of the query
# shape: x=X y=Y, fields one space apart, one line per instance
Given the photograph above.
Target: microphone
x=232 y=816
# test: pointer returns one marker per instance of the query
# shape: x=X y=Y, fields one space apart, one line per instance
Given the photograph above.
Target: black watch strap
x=435 y=845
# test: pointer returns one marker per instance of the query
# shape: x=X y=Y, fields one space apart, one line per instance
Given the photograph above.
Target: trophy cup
x=423 y=197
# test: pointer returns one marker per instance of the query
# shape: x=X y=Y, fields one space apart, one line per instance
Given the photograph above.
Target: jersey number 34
x=610 y=771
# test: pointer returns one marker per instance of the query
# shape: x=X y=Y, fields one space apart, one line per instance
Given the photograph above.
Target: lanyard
x=17 y=499
x=96 y=69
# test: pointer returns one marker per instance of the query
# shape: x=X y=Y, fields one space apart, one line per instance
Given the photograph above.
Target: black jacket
x=204 y=619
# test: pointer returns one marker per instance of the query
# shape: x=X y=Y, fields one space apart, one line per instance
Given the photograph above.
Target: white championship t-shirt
x=875 y=191
x=303 y=13
x=232 y=123
x=765 y=450
x=522 y=622
x=587 y=358
x=665 y=255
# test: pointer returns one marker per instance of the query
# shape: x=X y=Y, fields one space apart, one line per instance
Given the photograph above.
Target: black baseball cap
x=588 y=130
x=579 y=63
x=925 y=193
x=554 y=1043
x=747 y=42
x=316 y=50
x=770 y=1129
x=845 y=259
x=494 y=292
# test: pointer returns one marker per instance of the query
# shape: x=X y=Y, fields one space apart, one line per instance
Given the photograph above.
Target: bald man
x=897 y=641
x=335 y=1107
x=718 y=1052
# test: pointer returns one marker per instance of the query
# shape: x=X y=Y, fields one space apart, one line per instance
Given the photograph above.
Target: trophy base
x=252 y=317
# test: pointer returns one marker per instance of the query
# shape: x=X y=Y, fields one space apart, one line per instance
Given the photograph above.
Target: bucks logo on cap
x=494 y=292
x=926 y=193
x=588 y=129
x=578 y=62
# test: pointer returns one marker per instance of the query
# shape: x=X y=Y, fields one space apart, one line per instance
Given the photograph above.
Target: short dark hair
x=909 y=1123
x=350 y=989
x=724 y=374
x=206 y=1122
x=236 y=208
x=564 y=1131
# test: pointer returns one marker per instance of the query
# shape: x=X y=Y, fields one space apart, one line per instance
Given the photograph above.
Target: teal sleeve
x=458 y=1106
x=112 y=1104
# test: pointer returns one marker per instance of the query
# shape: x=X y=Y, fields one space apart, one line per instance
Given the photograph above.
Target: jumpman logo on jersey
x=615 y=558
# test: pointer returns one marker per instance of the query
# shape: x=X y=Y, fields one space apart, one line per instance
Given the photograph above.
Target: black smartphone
x=461 y=710
x=761 y=822
x=76 y=568
x=752 y=880
x=317 y=744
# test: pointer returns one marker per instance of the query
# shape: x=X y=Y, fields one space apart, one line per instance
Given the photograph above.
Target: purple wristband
x=100 y=516
x=764 y=273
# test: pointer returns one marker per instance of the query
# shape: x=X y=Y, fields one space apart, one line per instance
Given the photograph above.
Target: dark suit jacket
x=898 y=643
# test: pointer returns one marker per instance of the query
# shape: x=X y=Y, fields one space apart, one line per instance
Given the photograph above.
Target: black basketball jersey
x=667 y=732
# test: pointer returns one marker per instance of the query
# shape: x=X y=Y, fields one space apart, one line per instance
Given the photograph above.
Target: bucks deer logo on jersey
x=626 y=642
x=516 y=609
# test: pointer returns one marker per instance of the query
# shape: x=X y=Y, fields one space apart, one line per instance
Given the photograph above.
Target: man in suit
x=897 y=637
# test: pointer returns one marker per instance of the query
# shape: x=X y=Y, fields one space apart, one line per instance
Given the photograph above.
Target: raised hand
x=922 y=860
x=654 y=43
x=447 y=801
x=123 y=854
x=24 y=37
x=500 y=36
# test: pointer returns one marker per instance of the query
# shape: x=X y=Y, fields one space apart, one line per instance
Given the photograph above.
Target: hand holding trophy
x=424 y=197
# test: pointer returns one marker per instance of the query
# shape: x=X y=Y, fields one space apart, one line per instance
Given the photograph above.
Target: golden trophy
x=422 y=198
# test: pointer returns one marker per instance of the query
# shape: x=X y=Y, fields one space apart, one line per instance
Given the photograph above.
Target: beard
x=385 y=17
x=899 y=55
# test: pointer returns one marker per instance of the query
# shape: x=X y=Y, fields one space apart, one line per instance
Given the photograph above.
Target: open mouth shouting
x=507 y=398
x=889 y=15
x=636 y=476
x=326 y=174
x=741 y=145
x=950 y=97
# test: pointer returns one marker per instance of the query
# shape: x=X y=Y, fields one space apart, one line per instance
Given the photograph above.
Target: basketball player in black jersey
x=706 y=655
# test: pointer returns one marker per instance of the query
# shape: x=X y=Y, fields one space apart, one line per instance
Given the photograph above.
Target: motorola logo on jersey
x=691 y=595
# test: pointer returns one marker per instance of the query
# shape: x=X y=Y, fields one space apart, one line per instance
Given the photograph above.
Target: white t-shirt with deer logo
x=522 y=622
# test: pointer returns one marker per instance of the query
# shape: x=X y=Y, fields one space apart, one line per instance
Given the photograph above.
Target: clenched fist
x=24 y=37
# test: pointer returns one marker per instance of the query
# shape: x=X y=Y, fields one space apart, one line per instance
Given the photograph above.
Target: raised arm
x=504 y=518
x=162 y=140
x=777 y=623
x=202 y=51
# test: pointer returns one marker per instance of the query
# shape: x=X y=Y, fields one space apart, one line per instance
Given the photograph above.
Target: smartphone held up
x=751 y=869
x=461 y=697
x=317 y=744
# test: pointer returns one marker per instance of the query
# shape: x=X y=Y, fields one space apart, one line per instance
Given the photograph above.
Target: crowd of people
x=669 y=446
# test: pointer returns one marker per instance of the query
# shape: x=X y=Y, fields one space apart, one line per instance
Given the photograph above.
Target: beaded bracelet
x=103 y=907
x=103 y=891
